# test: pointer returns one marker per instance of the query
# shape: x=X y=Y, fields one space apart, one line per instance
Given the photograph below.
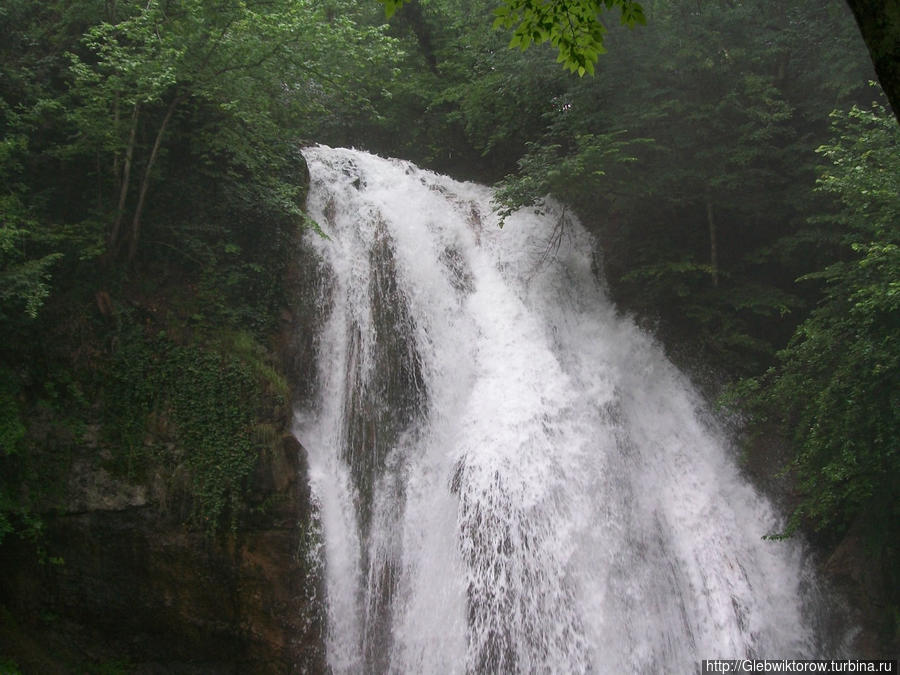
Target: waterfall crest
x=511 y=477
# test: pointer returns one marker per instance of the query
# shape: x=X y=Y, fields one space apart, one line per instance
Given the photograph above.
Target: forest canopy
x=576 y=30
x=732 y=160
x=572 y=27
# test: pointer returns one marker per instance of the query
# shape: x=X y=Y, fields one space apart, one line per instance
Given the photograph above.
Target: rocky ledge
x=122 y=580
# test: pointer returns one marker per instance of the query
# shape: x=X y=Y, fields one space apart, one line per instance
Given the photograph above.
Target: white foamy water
x=512 y=478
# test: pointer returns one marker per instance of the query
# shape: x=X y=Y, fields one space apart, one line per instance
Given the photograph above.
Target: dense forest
x=736 y=163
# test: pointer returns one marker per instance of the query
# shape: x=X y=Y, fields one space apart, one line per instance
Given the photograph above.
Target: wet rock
x=123 y=577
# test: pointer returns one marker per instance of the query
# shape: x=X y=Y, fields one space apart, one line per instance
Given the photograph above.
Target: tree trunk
x=113 y=243
x=116 y=128
x=145 y=181
x=411 y=14
x=879 y=23
x=713 y=249
x=99 y=183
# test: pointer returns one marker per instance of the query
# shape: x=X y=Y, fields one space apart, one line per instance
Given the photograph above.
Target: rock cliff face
x=124 y=580
x=136 y=586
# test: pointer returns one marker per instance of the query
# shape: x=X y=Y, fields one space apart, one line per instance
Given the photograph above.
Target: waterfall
x=510 y=476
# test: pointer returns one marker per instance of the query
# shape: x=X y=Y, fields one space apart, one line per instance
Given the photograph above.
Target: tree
x=691 y=153
x=836 y=386
x=252 y=61
x=573 y=27
x=167 y=133
x=159 y=56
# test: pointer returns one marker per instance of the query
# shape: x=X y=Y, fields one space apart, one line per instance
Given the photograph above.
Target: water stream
x=511 y=477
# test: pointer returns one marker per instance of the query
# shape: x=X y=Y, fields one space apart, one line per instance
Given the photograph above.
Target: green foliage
x=206 y=104
x=24 y=282
x=8 y=667
x=249 y=78
x=573 y=27
x=117 y=667
x=836 y=385
x=24 y=278
x=549 y=170
x=176 y=404
x=12 y=430
x=14 y=512
x=690 y=154
x=7 y=505
x=864 y=173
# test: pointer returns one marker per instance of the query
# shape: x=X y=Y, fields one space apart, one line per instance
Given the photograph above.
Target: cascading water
x=511 y=477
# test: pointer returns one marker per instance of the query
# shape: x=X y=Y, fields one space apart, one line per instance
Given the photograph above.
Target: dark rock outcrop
x=123 y=579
